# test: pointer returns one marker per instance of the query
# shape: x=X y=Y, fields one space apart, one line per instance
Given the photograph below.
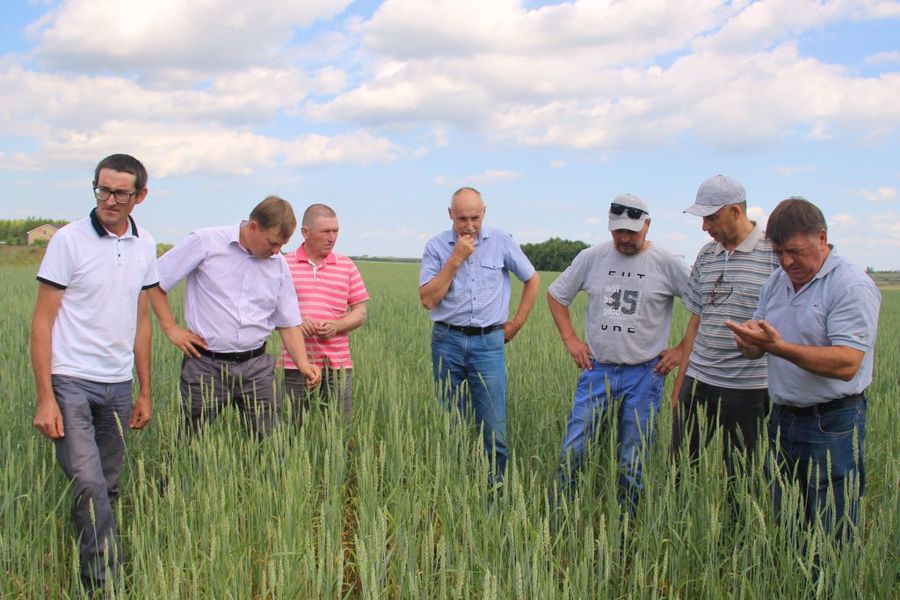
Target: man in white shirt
x=90 y=327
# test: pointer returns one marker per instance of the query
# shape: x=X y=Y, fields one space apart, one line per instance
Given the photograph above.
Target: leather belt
x=823 y=407
x=233 y=356
x=467 y=330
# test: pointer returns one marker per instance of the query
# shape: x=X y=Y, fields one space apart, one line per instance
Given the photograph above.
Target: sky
x=382 y=110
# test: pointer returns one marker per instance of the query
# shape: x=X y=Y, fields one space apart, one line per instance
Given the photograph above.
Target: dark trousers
x=336 y=388
x=209 y=384
x=739 y=413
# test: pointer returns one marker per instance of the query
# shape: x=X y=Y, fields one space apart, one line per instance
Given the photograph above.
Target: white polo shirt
x=102 y=275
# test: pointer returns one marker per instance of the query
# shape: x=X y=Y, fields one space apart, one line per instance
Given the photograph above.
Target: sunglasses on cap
x=633 y=213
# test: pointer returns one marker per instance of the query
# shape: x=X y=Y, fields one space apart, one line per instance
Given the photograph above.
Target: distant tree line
x=553 y=255
x=12 y=231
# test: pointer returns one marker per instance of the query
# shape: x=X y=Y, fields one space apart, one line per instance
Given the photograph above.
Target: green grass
x=397 y=507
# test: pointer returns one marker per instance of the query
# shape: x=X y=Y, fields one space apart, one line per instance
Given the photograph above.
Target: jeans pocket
x=838 y=423
x=438 y=333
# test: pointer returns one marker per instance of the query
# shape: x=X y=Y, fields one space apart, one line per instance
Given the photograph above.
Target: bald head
x=314 y=211
x=466 y=211
x=320 y=231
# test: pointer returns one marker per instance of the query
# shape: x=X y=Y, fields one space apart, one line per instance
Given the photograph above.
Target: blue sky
x=381 y=110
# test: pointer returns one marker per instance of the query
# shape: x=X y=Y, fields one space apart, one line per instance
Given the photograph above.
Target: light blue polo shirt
x=479 y=293
x=838 y=307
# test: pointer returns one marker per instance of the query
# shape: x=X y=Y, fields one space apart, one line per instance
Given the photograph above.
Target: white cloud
x=879 y=195
x=209 y=150
x=584 y=75
x=757 y=213
x=489 y=176
x=557 y=164
x=789 y=170
x=843 y=220
x=884 y=58
x=492 y=175
x=595 y=220
x=214 y=35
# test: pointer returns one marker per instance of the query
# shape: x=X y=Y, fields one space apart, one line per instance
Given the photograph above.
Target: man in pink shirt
x=333 y=298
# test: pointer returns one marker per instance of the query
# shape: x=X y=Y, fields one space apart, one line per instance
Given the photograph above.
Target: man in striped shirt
x=333 y=298
x=238 y=291
x=714 y=377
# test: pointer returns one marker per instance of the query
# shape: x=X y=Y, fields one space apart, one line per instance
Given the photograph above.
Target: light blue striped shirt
x=838 y=307
x=479 y=293
x=232 y=299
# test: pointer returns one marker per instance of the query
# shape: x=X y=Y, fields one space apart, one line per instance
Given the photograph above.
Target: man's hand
x=326 y=329
x=464 y=247
x=140 y=412
x=309 y=327
x=185 y=340
x=754 y=338
x=668 y=360
x=48 y=420
x=579 y=351
x=312 y=373
x=510 y=329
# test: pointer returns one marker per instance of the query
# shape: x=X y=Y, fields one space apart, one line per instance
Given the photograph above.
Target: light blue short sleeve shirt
x=480 y=291
x=838 y=307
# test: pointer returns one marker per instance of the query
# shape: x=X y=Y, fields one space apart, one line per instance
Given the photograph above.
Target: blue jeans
x=816 y=451
x=95 y=417
x=639 y=389
x=478 y=360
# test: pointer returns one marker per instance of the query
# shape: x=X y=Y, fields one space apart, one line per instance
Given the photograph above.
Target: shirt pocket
x=491 y=273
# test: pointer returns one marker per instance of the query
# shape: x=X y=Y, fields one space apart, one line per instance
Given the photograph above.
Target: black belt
x=467 y=330
x=232 y=356
x=824 y=407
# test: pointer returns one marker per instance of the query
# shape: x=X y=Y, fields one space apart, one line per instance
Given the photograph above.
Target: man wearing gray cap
x=631 y=285
x=714 y=378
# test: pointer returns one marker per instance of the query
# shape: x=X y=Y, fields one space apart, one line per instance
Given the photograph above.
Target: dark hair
x=794 y=216
x=275 y=212
x=126 y=164
x=314 y=211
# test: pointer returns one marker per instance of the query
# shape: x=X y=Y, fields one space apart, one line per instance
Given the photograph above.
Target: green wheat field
x=397 y=505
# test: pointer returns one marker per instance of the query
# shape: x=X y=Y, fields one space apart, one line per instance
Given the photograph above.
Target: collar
x=236 y=235
x=102 y=231
x=748 y=244
x=302 y=256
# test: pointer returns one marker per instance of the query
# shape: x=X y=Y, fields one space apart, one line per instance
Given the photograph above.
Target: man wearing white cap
x=714 y=378
x=631 y=284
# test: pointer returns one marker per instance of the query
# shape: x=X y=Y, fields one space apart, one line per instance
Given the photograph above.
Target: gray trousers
x=209 y=384
x=336 y=386
x=95 y=417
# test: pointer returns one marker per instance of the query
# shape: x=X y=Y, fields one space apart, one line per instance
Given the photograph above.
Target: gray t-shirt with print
x=630 y=297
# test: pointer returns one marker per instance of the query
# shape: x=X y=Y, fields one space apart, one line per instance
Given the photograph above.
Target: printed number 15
x=624 y=301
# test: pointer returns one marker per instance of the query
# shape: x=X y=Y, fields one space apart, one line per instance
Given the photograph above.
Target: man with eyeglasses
x=817 y=321
x=631 y=285
x=90 y=328
x=714 y=379
x=464 y=281
x=238 y=291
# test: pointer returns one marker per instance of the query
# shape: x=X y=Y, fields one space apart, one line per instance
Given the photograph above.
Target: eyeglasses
x=122 y=197
x=723 y=294
x=633 y=213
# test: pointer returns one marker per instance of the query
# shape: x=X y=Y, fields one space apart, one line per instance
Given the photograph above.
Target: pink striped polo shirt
x=325 y=292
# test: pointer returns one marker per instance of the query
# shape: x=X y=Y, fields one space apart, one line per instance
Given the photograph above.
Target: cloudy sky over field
x=383 y=109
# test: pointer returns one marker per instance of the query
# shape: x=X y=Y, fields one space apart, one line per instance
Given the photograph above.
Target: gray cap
x=623 y=221
x=716 y=192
